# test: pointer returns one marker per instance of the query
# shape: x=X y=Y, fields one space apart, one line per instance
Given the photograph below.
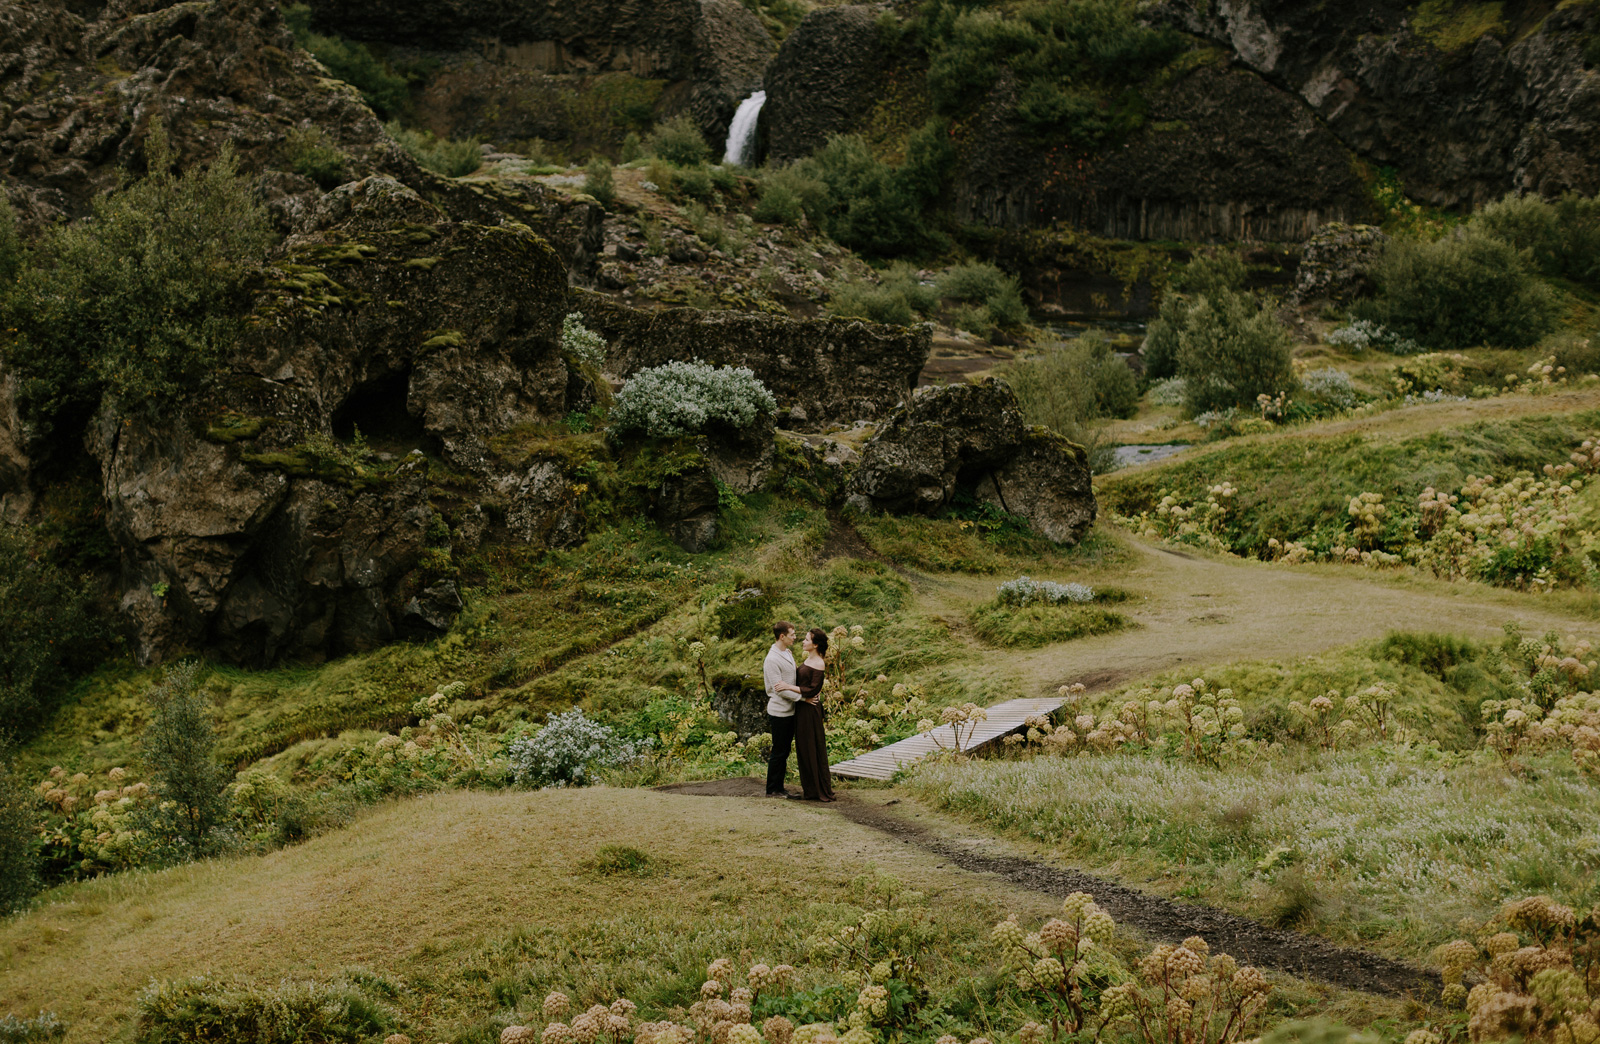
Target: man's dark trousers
x=778 y=763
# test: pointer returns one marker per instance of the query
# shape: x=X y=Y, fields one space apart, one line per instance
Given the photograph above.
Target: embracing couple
x=794 y=712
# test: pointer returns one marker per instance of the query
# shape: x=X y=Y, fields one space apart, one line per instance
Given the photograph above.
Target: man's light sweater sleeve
x=772 y=675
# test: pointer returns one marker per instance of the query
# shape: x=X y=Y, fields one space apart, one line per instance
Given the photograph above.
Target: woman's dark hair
x=819 y=638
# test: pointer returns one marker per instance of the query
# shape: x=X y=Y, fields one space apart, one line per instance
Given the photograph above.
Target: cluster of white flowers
x=1169 y=392
x=1025 y=591
x=1516 y=725
x=581 y=344
x=684 y=398
x=1362 y=334
x=567 y=750
x=1332 y=386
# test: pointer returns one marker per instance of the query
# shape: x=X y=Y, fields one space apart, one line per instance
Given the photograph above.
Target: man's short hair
x=781 y=628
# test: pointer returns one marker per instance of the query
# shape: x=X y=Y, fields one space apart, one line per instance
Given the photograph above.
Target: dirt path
x=1159 y=920
x=1200 y=610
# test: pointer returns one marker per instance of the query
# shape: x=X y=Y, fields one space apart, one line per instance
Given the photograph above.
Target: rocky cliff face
x=1465 y=116
x=825 y=79
x=822 y=371
x=78 y=92
x=711 y=52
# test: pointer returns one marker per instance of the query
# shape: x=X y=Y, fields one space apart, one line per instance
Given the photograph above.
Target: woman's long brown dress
x=810 y=738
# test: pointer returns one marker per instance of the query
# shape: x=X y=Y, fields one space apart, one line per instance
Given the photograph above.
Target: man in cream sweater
x=782 y=692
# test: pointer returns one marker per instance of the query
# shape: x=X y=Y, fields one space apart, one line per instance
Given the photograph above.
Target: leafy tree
x=178 y=745
x=1222 y=272
x=1459 y=292
x=867 y=205
x=138 y=305
x=51 y=632
x=1229 y=351
x=387 y=92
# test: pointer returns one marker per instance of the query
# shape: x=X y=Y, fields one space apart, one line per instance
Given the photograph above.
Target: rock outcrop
x=491 y=52
x=1336 y=263
x=250 y=523
x=827 y=76
x=822 y=371
x=1465 y=108
x=971 y=439
x=78 y=92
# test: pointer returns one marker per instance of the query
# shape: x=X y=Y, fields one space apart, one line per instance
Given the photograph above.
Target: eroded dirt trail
x=1157 y=919
x=1201 y=610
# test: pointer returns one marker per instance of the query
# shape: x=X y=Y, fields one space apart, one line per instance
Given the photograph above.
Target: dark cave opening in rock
x=378 y=409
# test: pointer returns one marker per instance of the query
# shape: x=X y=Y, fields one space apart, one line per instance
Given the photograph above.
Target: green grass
x=1030 y=626
x=1401 y=844
x=1298 y=486
x=954 y=545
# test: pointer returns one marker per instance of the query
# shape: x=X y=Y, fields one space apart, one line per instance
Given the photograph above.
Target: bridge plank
x=1004 y=719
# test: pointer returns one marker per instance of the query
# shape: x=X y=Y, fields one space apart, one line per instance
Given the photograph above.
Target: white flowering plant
x=678 y=399
x=1027 y=591
x=580 y=344
x=1362 y=334
x=567 y=750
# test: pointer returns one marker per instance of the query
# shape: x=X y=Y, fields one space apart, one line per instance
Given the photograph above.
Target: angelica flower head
x=556 y=1005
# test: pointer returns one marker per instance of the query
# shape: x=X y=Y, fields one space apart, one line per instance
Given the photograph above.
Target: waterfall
x=742 y=132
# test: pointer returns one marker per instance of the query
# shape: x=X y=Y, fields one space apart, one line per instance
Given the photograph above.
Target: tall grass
x=1402 y=844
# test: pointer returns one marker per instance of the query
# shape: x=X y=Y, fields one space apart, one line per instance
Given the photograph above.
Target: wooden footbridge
x=1003 y=718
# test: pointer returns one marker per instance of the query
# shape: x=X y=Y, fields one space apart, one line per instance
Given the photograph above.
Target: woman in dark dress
x=810 y=738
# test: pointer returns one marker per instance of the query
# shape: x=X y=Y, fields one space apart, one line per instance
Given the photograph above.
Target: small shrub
x=1026 y=591
x=1230 y=351
x=207 y=1008
x=453 y=159
x=985 y=284
x=866 y=301
x=1332 y=387
x=567 y=751
x=865 y=204
x=1031 y=626
x=679 y=142
x=1578 y=354
x=1168 y=392
x=1210 y=273
x=778 y=205
x=177 y=748
x=1361 y=334
x=581 y=344
x=625 y=860
x=1071 y=388
x=310 y=155
x=1460 y=292
x=632 y=146
x=685 y=398
x=43 y=1026
x=19 y=858
x=598 y=181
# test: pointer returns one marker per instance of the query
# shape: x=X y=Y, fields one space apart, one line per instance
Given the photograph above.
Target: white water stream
x=742 y=132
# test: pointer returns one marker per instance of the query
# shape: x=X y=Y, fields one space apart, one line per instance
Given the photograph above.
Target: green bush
x=19 y=856
x=11 y=254
x=679 y=142
x=387 y=92
x=310 y=155
x=51 y=633
x=139 y=305
x=1229 y=351
x=1072 y=63
x=453 y=159
x=983 y=283
x=1460 y=292
x=778 y=205
x=1579 y=354
x=284 y=1012
x=865 y=204
x=177 y=748
x=1205 y=274
x=693 y=183
x=686 y=398
x=598 y=181
x=1030 y=626
x=1070 y=389
x=1561 y=238
x=898 y=297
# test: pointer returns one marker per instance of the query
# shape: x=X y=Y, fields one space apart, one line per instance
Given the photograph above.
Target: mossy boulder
x=969 y=441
